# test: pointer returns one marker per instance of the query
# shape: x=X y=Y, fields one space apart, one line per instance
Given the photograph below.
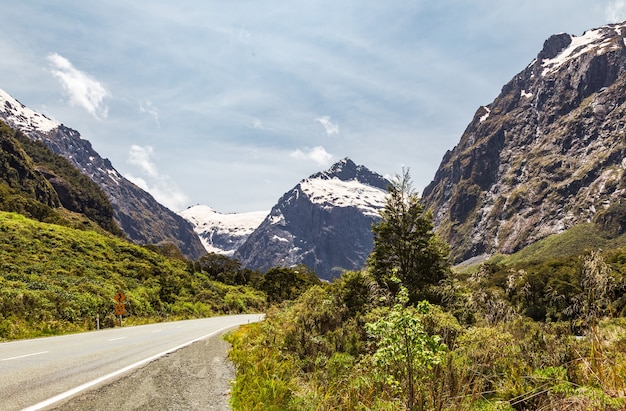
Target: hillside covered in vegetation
x=56 y=279
x=63 y=258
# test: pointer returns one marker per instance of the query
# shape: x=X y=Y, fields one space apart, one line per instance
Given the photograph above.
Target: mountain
x=547 y=154
x=324 y=222
x=222 y=233
x=137 y=213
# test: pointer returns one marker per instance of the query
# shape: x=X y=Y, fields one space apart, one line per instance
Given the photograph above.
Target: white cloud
x=615 y=11
x=317 y=154
x=330 y=127
x=83 y=90
x=257 y=124
x=162 y=187
x=141 y=157
x=149 y=108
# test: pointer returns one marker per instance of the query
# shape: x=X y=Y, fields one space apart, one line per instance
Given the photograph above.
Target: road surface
x=38 y=373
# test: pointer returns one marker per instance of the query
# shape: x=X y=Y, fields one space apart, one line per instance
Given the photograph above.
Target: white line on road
x=157 y=331
x=23 y=356
x=90 y=384
x=115 y=339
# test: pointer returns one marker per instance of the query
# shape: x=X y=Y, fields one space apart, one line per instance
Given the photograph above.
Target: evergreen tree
x=406 y=251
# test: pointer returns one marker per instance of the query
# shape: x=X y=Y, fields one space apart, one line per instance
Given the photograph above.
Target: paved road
x=37 y=373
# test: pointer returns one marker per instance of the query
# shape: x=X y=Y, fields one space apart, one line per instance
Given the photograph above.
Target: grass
x=575 y=241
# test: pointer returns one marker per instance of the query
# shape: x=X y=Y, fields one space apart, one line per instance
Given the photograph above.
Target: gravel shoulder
x=196 y=377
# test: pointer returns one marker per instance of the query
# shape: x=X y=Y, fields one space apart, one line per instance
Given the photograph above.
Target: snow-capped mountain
x=222 y=233
x=547 y=154
x=324 y=222
x=139 y=215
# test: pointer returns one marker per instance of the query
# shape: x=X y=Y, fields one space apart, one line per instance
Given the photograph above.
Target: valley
x=369 y=298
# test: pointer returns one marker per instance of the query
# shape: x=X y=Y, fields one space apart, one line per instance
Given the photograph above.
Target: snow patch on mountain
x=21 y=117
x=222 y=233
x=486 y=115
x=334 y=192
x=595 y=41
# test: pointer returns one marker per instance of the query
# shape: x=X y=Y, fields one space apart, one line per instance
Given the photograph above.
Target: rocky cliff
x=324 y=222
x=546 y=154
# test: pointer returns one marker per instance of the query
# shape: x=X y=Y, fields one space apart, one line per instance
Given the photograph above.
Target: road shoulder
x=196 y=377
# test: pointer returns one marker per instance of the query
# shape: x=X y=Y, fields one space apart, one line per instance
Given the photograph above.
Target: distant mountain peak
x=222 y=233
x=562 y=48
x=346 y=170
x=341 y=166
x=324 y=222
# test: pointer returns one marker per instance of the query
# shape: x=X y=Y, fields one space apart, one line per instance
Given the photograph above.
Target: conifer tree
x=406 y=251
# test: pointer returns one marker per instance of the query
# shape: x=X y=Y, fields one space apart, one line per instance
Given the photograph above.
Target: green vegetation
x=327 y=350
x=538 y=334
x=55 y=279
x=76 y=191
x=577 y=240
x=36 y=182
x=405 y=247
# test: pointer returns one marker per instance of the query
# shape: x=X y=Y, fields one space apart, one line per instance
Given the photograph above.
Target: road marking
x=115 y=339
x=90 y=384
x=23 y=356
x=157 y=331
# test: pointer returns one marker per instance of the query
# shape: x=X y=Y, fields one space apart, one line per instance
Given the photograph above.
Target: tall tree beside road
x=406 y=251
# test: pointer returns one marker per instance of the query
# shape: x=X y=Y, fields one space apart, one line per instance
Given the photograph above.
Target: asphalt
x=40 y=373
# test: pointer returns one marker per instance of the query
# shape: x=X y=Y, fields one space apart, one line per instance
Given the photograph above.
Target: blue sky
x=232 y=103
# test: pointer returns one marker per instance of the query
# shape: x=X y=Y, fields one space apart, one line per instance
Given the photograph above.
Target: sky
x=231 y=103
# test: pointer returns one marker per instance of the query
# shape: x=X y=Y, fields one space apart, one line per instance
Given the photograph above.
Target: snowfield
x=334 y=192
x=209 y=224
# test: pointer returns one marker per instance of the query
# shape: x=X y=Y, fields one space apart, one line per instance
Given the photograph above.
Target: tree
x=282 y=283
x=221 y=268
x=405 y=247
x=405 y=351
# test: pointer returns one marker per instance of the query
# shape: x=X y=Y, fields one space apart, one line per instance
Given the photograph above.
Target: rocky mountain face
x=222 y=233
x=324 y=222
x=548 y=153
x=139 y=215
